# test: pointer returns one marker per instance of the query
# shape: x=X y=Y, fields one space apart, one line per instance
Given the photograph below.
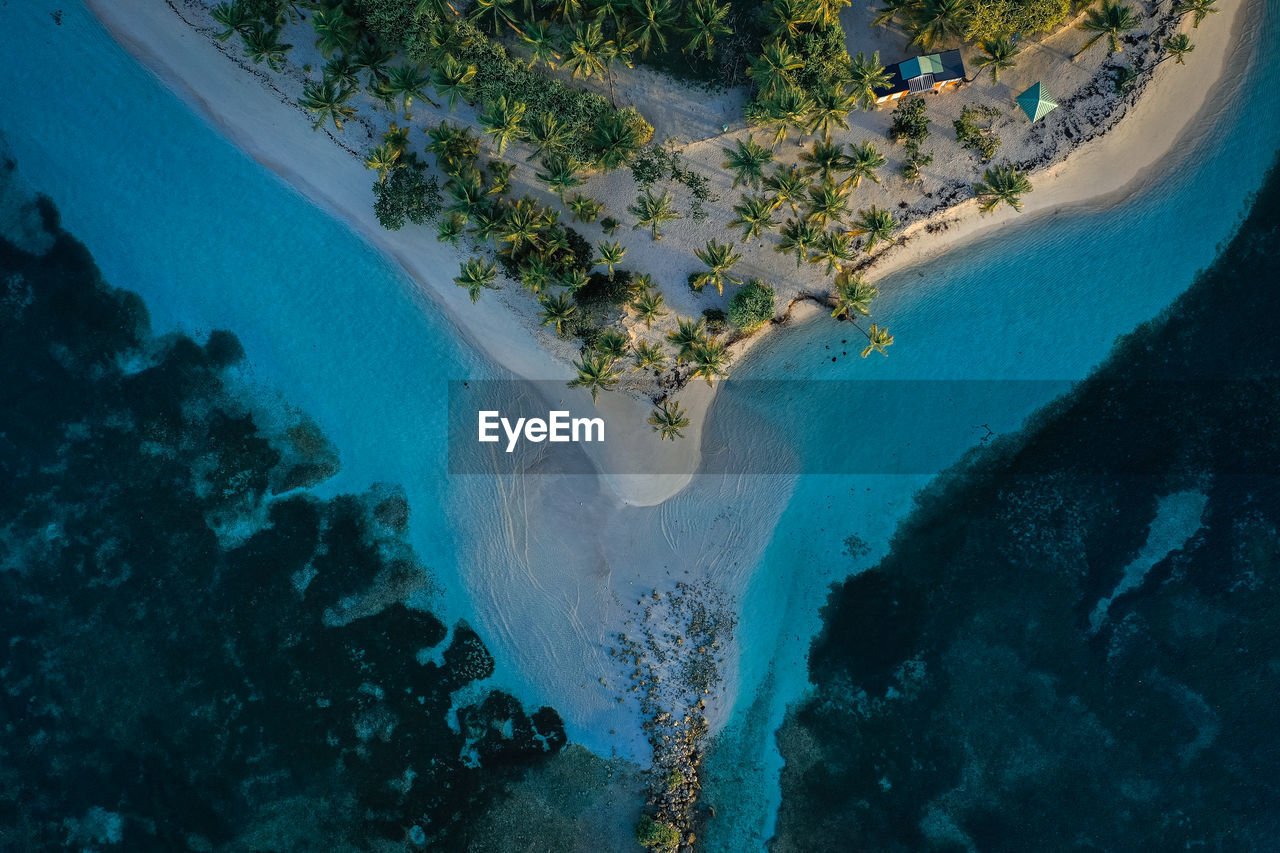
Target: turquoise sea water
x=210 y=240
x=1040 y=302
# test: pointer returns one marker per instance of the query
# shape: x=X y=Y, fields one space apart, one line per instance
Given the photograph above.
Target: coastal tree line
x=498 y=55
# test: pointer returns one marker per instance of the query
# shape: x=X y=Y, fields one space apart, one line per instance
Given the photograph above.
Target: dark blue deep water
x=1023 y=671
x=197 y=653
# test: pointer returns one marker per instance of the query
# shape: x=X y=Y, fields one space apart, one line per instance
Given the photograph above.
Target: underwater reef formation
x=1038 y=663
x=198 y=654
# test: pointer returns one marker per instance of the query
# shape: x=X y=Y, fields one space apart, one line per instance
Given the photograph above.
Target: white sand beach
x=252 y=108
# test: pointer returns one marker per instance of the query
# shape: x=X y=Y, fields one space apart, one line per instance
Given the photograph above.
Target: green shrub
x=973 y=131
x=656 y=835
x=993 y=19
x=752 y=306
x=717 y=320
x=909 y=121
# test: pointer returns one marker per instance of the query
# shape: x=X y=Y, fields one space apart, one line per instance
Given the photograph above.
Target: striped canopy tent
x=1036 y=102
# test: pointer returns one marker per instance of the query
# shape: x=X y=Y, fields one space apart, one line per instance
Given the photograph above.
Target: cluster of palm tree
x=587 y=38
x=261 y=38
x=851 y=298
x=818 y=193
x=708 y=356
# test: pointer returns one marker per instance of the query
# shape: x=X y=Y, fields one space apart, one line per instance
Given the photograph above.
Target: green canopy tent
x=1036 y=102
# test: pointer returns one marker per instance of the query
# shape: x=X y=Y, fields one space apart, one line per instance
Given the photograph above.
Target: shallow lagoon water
x=212 y=240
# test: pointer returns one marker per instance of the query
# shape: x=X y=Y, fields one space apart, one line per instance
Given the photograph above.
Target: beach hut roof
x=920 y=65
x=1036 y=102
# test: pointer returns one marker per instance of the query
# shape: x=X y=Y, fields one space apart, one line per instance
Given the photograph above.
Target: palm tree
x=343 y=70
x=1199 y=9
x=651 y=211
x=559 y=173
x=566 y=11
x=466 y=189
x=998 y=54
x=1113 y=20
x=747 y=160
x=612 y=10
x=823 y=158
x=233 y=16
x=556 y=310
x=575 y=279
x=499 y=176
x=541 y=41
x=1001 y=184
x=875 y=224
x=649 y=307
x=383 y=159
x=933 y=21
x=585 y=208
x=328 y=100
x=616 y=138
x=686 y=335
x=397 y=138
x=862 y=162
x=710 y=359
x=886 y=14
x=828 y=11
x=798 y=236
x=336 y=31
x=488 y=221
x=612 y=344
x=453 y=80
x=475 y=275
x=788 y=108
x=834 y=247
x=495 y=12
x=596 y=372
x=1178 y=46
x=719 y=259
x=371 y=57
x=705 y=21
x=547 y=134
x=865 y=77
x=451 y=228
x=852 y=295
x=669 y=420
x=263 y=45
x=787 y=19
x=535 y=273
x=827 y=202
x=878 y=338
x=611 y=254
x=833 y=103
x=788 y=186
x=754 y=214
x=408 y=82
x=648 y=356
x=501 y=119
x=454 y=147
x=653 y=18
x=522 y=222
x=589 y=52
x=774 y=69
